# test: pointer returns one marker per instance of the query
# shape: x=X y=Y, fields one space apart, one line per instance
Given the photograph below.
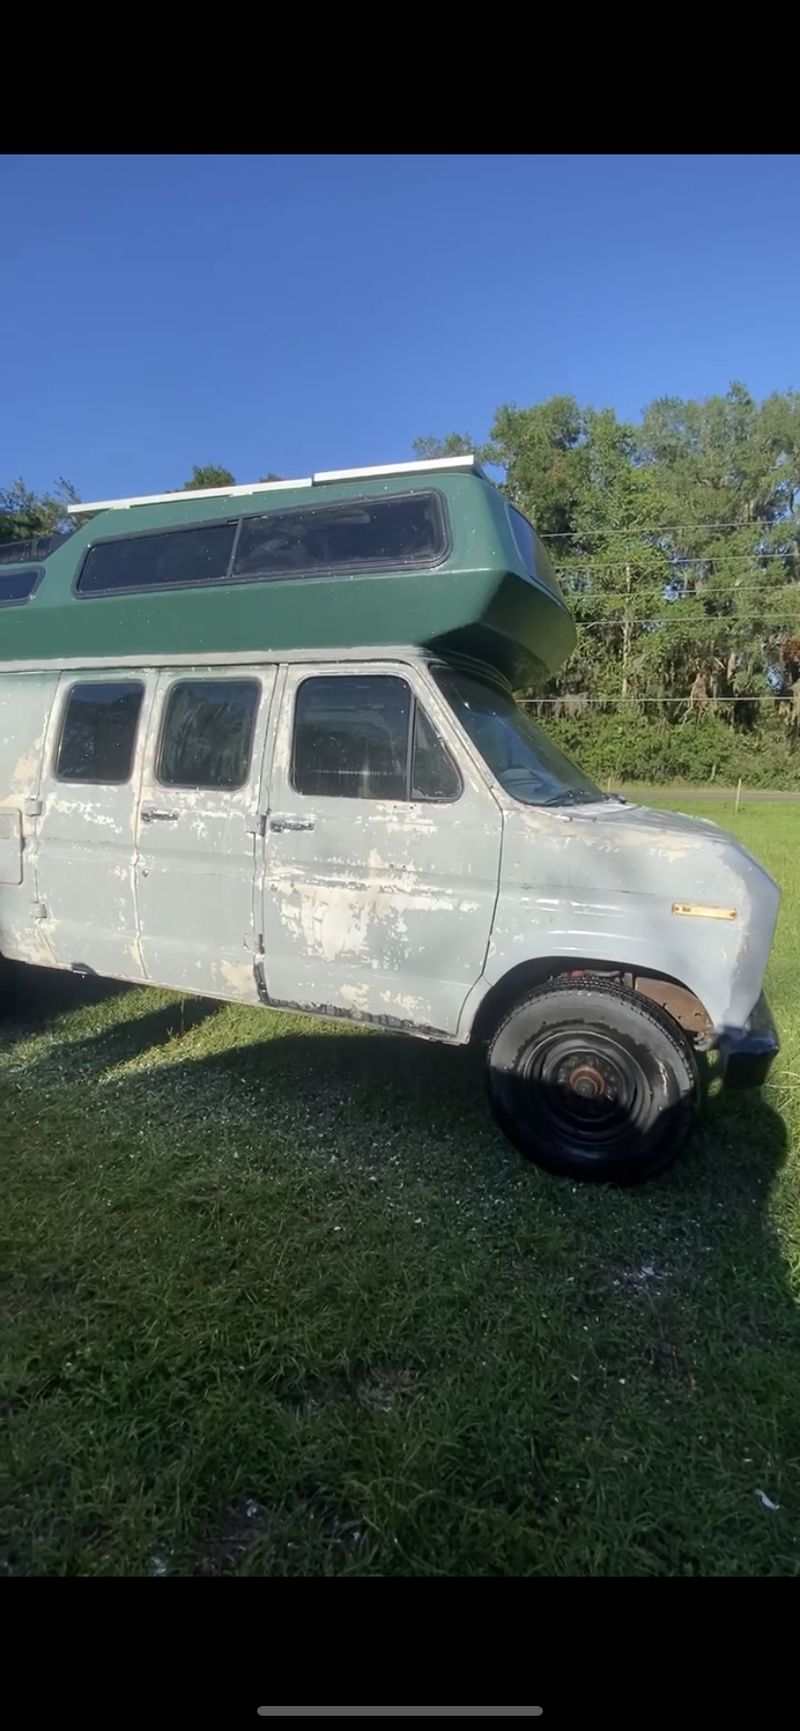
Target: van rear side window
x=207 y=737
x=98 y=733
x=407 y=531
x=16 y=586
x=177 y=559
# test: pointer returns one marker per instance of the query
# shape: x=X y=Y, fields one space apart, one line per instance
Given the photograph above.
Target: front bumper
x=747 y=1053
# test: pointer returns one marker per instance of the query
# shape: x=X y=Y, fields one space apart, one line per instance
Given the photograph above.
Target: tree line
x=676 y=541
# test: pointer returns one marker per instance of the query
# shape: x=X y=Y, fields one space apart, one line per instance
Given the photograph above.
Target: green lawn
x=279 y=1299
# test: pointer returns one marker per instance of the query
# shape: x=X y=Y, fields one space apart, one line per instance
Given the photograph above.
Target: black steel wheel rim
x=590 y=1089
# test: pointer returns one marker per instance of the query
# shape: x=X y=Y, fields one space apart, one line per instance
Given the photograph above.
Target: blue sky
x=298 y=312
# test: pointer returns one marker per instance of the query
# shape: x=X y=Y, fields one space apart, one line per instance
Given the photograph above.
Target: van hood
x=644 y=818
x=659 y=891
x=650 y=826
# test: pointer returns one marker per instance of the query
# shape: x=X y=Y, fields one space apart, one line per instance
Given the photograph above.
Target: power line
x=655 y=529
x=674 y=626
x=681 y=563
x=716 y=622
x=586 y=583
x=659 y=593
x=578 y=697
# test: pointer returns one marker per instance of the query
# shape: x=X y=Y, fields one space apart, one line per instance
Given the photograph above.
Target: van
x=261 y=744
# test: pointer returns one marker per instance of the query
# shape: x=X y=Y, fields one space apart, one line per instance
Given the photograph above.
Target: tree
x=729 y=473
x=611 y=566
x=543 y=451
x=677 y=541
x=453 y=445
x=24 y=514
x=209 y=475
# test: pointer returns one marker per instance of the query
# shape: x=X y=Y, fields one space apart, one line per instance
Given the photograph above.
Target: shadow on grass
x=410 y=1083
x=264 y=1229
x=30 y=998
x=34 y=999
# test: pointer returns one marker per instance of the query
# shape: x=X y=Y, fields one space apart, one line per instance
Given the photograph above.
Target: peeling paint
x=25 y=773
x=603 y=886
x=237 y=977
x=415 y=1009
x=89 y=810
x=399 y=915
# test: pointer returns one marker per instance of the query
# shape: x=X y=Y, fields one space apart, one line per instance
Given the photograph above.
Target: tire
x=591 y=1081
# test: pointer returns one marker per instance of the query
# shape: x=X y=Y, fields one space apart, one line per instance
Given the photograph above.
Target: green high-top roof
x=429 y=555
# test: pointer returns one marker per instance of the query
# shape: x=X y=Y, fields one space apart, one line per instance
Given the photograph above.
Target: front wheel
x=592 y=1081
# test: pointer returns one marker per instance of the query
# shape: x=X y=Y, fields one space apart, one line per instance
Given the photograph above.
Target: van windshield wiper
x=572 y=796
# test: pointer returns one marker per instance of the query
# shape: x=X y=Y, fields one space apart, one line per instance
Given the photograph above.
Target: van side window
x=365 y=737
x=175 y=559
x=98 y=733
x=405 y=532
x=18 y=585
x=409 y=530
x=207 y=736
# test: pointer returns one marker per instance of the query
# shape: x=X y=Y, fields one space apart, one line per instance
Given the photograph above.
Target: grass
x=280 y=1300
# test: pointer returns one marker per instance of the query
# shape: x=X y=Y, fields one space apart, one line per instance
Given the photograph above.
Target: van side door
x=26 y=700
x=382 y=851
x=198 y=829
x=85 y=840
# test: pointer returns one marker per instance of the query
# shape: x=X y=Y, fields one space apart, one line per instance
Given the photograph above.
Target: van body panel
x=25 y=704
x=86 y=846
x=376 y=909
x=196 y=852
x=608 y=883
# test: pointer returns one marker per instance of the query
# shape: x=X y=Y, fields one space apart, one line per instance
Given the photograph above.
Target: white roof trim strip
x=433 y=466
x=91 y=510
x=429 y=466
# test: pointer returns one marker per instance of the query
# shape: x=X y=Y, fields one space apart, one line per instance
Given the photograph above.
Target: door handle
x=150 y=814
x=282 y=820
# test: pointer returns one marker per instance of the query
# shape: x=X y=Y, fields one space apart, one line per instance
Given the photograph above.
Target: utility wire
x=681 y=563
x=661 y=529
x=675 y=626
x=578 y=697
x=659 y=592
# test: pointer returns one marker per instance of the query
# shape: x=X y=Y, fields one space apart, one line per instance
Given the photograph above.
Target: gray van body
x=429 y=916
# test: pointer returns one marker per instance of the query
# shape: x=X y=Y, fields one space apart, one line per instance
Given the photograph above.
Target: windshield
x=525 y=762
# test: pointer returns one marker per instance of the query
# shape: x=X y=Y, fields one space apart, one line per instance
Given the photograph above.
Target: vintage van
x=260 y=743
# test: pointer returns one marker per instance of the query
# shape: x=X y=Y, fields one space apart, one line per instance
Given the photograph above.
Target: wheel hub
x=588 y=1081
x=590 y=1092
